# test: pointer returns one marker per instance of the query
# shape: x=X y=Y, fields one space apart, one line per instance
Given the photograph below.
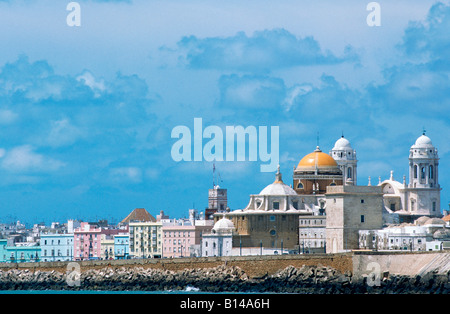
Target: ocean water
x=187 y=291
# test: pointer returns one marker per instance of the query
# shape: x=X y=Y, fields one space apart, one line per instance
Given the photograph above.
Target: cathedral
x=281 y=215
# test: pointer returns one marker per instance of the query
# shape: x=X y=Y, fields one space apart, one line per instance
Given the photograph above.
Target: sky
x=87 y=112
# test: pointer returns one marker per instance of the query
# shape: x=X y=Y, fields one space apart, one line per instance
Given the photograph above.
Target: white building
x=425 y=234
x=219 y=242
x=421 y=195
x=312 y=234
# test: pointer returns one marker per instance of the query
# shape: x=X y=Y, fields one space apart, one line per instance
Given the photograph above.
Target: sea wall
x=254 y=266
x=340 y=273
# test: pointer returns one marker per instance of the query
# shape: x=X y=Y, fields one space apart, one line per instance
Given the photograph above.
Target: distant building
x=312 y=233
x=20 y=253
x=217 y=202
x=425 y=234
x=181 y=240
x=421 y=195
x=122 y=246
x=145 y=239
x=270 y=220
x=107 y=247
x=219 y=242
x=56 y=247
x=87 y=242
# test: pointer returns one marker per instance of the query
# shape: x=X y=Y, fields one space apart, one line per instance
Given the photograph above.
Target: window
x=272 y=218
x=349 y=173
x=362 y=201
x=362 y=218
x=434 y=206
x=422 y=173
x=415 y=171
x=300 y=185
x=430 y=174
x=276 y=205
x=393 y=207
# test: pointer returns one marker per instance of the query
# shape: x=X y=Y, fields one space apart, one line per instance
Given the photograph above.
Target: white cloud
x=24 y=159
x=126 y=174
x=88 y=79
x=62 y=132
x=7 y=116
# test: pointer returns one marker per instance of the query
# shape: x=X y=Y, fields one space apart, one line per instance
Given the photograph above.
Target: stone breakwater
x=306 y=279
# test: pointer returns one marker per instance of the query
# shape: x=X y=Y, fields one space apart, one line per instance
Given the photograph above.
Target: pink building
x=87 y=242
x=182 y=241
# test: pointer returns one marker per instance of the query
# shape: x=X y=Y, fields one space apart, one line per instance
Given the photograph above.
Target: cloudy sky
x=86 y=112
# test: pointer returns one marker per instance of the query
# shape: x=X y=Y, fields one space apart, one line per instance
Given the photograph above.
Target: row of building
x=139 y=235
x=324 y=210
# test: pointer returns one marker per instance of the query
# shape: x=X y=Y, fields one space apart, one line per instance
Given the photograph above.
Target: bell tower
x=423 y=187
x=345 y=157
x=423 y=164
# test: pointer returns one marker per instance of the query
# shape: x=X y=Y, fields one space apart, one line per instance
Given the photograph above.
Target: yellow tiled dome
x=317 y=159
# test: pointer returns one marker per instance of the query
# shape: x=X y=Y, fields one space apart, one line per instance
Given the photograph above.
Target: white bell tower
x=345 y=157
x=423 y=187
x=423 y=164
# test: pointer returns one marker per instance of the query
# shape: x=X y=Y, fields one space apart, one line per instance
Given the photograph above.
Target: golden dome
x=317 y=159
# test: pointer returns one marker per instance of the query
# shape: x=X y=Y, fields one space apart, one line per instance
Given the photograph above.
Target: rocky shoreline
x=305 y=280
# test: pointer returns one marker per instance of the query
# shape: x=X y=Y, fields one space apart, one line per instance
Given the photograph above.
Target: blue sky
x=86 y=113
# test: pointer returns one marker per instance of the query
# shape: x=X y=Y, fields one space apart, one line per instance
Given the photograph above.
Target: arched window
x=415 y=171
x=430 y=173
x=422 y=173
x=300 y=185
x=349 y=173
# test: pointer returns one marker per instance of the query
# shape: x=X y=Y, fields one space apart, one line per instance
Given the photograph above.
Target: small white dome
x=342 y=143
x=223 y=224
x=423 y=141
x=278 y=188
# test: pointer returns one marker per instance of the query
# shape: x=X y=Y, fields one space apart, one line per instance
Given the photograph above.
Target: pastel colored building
x=181 y=240
x=122 y=246
x=107 y=246
x=87 y=242
x=56 y=247
x=19 y=253
x=145 y=239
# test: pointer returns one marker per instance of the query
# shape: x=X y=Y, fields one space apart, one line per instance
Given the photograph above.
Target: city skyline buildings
x=86 y=112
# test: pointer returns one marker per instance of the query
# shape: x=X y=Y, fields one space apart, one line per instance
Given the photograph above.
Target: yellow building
x=107 y=247
x=145 y=239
